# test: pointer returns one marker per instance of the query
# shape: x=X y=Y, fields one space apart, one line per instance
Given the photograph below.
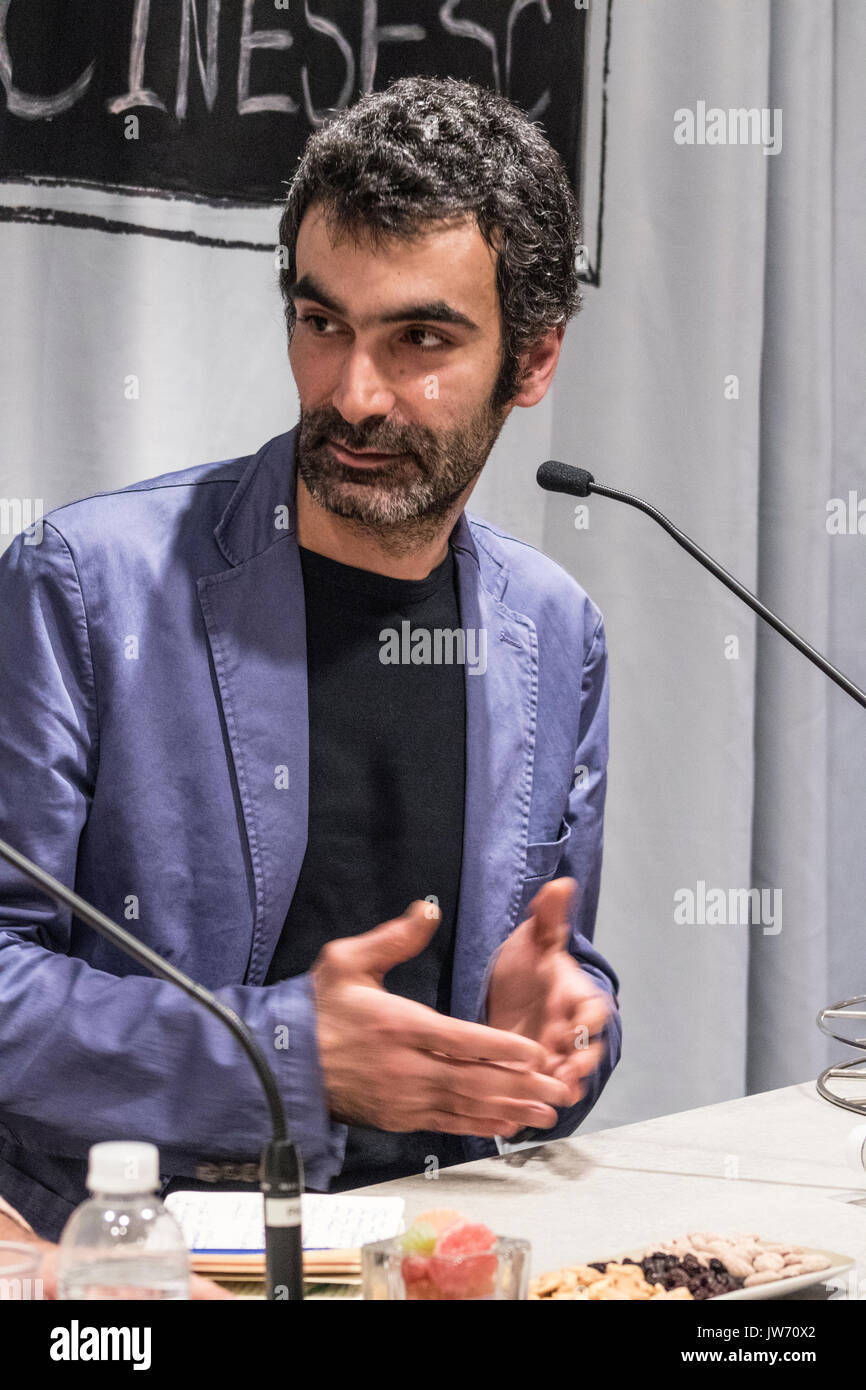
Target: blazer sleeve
x=581 y=860
x=88 y=1055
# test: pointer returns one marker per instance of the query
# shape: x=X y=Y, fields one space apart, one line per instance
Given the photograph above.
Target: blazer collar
x=262 y=511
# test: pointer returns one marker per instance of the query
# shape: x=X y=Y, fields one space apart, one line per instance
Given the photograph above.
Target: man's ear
x=538 y=364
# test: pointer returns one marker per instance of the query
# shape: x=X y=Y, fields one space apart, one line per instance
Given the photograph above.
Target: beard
x=407 y=498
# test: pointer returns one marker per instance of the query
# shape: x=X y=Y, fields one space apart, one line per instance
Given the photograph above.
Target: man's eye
x=315 y=318
x=438 y=340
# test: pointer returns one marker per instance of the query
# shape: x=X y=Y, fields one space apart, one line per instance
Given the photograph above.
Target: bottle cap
x=123 y=1168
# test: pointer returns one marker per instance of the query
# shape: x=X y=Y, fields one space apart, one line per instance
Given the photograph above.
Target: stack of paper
x=226 y=1236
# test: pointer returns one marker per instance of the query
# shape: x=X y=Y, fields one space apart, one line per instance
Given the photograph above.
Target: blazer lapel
x=500 y=742
x=256 y=627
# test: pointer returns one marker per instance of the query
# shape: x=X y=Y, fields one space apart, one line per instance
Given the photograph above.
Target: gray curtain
x=733 y=763
x=739 y=770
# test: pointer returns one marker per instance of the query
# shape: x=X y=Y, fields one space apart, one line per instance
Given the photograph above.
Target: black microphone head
x=554 y=476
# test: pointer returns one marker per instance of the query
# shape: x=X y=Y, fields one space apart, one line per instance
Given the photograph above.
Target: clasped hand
x=397 y=1065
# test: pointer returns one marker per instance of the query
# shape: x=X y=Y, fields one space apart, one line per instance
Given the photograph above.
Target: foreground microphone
x=281 y=1173
x=554 y=476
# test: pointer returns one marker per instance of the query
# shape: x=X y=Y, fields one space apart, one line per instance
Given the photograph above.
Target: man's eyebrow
x=434 y=310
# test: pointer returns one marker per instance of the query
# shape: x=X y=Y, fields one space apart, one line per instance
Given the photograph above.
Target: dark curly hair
x=429 y=148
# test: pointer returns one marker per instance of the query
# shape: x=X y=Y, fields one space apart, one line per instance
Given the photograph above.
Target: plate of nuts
x=700 y=1265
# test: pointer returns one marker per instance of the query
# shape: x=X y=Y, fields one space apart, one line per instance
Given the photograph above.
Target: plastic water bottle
x=122 y=1242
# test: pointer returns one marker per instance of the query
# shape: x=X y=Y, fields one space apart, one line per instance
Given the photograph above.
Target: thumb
x=550 y=909
x=398 y=940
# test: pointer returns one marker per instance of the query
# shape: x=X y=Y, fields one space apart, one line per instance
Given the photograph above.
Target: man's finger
x=445 y=1123
x=375 y=952
x=593 y=1013
x=576 y=1091
x=429 y=1031
x=585 y=1019
x=495 y=1111
x=550 y=908
x=485 y=1081
x=582 y=1063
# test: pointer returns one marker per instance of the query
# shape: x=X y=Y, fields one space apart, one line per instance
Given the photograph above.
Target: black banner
x=217 y=97
x=222 y=1342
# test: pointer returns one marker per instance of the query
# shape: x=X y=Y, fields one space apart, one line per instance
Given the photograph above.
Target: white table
x=772 y=1163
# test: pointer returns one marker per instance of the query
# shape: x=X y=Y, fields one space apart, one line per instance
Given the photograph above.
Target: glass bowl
x=388 y=1271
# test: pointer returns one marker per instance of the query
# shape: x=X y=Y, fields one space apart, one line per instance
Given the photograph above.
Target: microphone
x=555 y=476
x=281 y=1171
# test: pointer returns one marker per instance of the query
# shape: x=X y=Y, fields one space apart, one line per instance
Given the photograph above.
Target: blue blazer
x=154 y=755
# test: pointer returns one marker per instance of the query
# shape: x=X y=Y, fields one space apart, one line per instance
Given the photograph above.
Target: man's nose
x=362 y=390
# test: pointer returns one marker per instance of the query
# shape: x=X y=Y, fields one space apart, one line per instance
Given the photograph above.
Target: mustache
x=367 y=439
x=379 y=446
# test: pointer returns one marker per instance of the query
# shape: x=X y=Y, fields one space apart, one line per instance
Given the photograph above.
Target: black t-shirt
x=386 y=795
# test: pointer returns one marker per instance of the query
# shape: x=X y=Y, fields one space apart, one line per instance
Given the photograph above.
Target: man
x=254 y=708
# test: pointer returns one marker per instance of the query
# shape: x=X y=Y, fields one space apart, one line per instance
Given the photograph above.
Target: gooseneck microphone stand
x=555 y=476
x=281 y=1172
x=562 y=477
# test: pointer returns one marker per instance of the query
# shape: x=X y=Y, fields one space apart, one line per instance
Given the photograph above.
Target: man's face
x=396 y=349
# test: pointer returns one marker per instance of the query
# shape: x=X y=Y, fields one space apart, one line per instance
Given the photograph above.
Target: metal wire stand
x=856 y=1068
